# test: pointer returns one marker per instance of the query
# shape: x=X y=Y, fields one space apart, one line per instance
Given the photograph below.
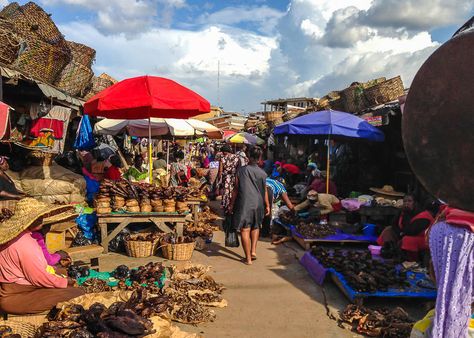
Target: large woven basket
x=42 y=60
x=97 y=85
x=24 y=329
x=140 y=249
x=273 y=115
x=30 y=20
x=9 y=42
x=290 y=115
x=74 y=78
x=42 y=158
x=384 y=92
x=353 y=98
x=81 y=53
x=178 y=252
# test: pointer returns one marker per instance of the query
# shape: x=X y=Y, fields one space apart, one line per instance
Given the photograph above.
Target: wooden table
x=124 y=219
x=195 y=204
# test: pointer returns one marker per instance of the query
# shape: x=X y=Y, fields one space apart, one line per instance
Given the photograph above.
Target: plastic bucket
x=369 y=229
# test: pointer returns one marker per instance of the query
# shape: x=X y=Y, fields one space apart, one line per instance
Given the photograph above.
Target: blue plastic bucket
x=369 y=229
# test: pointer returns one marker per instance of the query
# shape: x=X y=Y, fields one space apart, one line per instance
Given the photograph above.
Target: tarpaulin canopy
x=245 y=138
x=330 y=122
x=144 y=97
x=159 y=127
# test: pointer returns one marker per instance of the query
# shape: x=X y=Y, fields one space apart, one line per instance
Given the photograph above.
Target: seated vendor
x=112 y=171
x=276 y=192
x=410 y=227
x=319 y=184
x=319 y=204
x=28 y=285
x=8 y=191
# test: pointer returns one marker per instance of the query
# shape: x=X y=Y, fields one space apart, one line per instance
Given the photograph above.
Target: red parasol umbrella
x=146 y=97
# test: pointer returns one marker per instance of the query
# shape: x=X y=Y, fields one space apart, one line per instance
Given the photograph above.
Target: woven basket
x=353 y=98
x=41 y=158
x=9 y=42
x=30 y=20
x=9 y=10
x=42 y=60
x=24 y=329
x=291 y=115
x=337 y=104
x=97 y=85
x=273 y=115
x=74 y=78
x=81 y=53
x=139 y=249
x=178 y=252
x=384 y=92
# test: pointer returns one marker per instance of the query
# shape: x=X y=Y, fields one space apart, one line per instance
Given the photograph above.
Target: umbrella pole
x=167 y=155
x=150 y=150
x=328 y=164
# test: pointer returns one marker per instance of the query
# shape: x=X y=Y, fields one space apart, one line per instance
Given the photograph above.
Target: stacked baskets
x=43 y=53
x=98 y=84
x=386 y=91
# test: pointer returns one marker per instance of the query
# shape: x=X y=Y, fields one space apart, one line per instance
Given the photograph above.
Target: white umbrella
x=159 y=127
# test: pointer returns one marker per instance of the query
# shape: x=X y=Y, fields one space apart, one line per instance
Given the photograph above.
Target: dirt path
x=274 y=297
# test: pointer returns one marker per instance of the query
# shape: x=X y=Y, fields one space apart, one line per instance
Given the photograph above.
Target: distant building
x=284 y=105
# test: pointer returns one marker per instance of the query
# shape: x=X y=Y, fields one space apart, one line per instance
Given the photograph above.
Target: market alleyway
x=275 y=297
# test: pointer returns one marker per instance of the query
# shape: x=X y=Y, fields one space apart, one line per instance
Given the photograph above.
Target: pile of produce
x=206 y=225
x=6 y=214
x=76 y=272
x=142 y=197
x=361 y=272
x=172 y=238
x=378 y=323
x=95 y=285
x=7 y=332
x=313 y=230
x=119 y=320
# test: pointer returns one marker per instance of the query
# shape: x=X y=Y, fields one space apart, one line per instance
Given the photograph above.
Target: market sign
x=376 y=121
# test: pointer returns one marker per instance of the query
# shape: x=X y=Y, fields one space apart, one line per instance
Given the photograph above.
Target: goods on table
x=202 y=229
x=313 y=230
x=361 y=272
x=142 y=197
x=378 y=323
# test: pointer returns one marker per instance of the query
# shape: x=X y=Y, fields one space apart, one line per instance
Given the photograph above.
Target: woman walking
x=250 y=204
x=227 y=169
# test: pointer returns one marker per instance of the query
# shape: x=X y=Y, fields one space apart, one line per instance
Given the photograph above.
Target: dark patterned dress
x=229 y=163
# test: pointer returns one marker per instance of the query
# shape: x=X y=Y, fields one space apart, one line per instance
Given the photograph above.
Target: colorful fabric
x=229 y=163
x=51 y=259
x=460 y=218
x=22 y=262
x=44 y=139
x=277 y=188
x=453 y=261
x=56 y=126
x=291 y=168
x=113 y=173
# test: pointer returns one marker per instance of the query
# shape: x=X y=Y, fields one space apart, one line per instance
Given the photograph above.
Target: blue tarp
x=84 y=137
x=330 y=122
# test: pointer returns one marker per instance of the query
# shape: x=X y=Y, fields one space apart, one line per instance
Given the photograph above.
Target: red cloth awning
x=4 y=120
x=144 y=97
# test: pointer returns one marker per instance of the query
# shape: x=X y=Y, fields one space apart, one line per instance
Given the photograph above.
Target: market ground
x=275 y=297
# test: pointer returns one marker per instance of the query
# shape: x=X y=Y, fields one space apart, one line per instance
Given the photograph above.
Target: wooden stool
x=88 y=254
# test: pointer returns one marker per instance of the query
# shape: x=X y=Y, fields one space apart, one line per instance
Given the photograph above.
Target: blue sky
x=266 y=49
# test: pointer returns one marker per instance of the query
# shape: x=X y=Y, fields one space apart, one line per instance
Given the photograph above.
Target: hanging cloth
x=84 y=138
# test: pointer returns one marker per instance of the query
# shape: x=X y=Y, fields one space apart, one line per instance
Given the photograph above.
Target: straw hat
x=29 y=211
x=387 y=190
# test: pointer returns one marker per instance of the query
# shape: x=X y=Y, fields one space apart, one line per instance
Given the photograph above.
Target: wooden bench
x=88 y=254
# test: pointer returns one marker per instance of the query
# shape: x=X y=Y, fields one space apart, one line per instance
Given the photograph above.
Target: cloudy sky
x=266 y=48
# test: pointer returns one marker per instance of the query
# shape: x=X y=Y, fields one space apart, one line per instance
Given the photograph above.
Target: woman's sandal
x=254 y=257
x=244 y=260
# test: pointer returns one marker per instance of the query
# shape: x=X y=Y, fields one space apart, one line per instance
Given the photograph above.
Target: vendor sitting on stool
x=319 y=204
x=28 y=285
x=409 y=231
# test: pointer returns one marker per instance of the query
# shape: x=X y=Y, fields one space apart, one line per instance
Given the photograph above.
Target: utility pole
x=218 y=83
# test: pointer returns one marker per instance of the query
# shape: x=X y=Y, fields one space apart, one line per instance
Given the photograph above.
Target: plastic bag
x=92 y=187
x=118 y=243
x=232 y=239
x=84 y=137
x=86 y=222
x=81 y=240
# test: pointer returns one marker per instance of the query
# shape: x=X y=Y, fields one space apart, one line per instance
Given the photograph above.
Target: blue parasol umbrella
x=329 y=123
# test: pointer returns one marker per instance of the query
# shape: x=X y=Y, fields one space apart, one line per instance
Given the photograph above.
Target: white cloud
x=127 y=16
x=265 y=17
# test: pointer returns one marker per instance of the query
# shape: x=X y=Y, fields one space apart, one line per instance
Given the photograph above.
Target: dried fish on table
x=313 y=230
x=185 y=310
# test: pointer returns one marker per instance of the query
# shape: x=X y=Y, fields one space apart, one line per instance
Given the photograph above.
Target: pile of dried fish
x=7 y=332
x=94 y=285
x=361 y=272
x=6 y=214
x=204 y=283
x=147 y=274
x=202 y=229
x=378 y=323
x=186 y=310
x=313 y=230
x=119 y=320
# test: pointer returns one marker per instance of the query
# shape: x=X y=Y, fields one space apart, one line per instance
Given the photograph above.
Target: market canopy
x=159 y=127
x=144 y=97
x=330 y=122
x=245 y=138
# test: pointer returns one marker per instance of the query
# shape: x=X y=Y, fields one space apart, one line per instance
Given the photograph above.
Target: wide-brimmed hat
x=29 y=211
x=387 y=190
